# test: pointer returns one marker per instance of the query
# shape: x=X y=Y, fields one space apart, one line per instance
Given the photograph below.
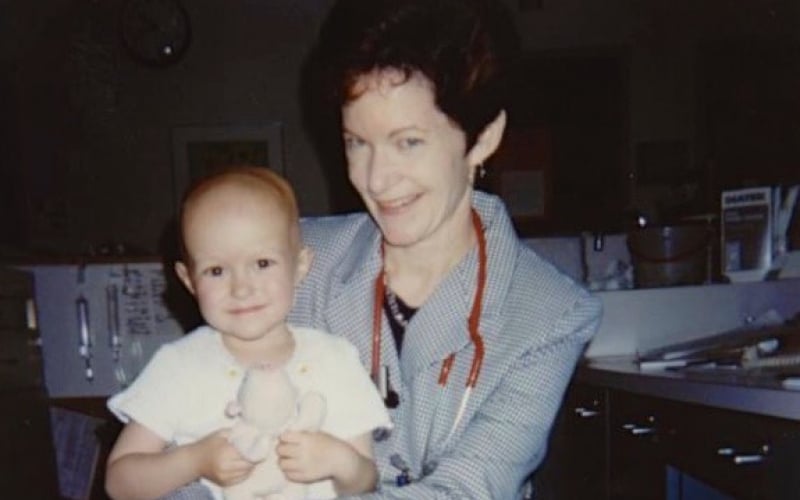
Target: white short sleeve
x=182 y=393
x=154 y=399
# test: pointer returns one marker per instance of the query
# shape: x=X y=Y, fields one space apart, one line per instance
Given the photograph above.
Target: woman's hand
x=219 y=461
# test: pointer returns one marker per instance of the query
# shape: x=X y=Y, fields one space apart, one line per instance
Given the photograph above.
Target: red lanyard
x=473 y=322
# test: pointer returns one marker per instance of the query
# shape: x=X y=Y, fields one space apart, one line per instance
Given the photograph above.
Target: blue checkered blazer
x=535 y=324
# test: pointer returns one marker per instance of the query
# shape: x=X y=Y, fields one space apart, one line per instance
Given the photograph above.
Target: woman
x=470 y=335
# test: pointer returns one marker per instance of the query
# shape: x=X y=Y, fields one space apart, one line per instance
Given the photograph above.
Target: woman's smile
x=396 y=206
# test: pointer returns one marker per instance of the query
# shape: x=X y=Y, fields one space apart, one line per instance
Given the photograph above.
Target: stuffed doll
x=267 y=405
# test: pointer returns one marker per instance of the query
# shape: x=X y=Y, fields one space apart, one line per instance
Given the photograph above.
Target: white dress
x=182 y=393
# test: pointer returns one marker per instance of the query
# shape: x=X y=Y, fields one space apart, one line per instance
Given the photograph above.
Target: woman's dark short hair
x=464 y=47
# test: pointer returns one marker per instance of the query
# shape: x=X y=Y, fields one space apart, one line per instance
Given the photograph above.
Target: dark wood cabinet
x=28 y=459
x=577 y=461
x=640 y=437
x=615 y=444
x=743 y=455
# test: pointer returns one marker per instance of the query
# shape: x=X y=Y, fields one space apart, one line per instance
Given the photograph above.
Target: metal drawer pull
x=743 y=459
x=30 y=314
x=747 y=459
x=638 y=431
x=584 y=413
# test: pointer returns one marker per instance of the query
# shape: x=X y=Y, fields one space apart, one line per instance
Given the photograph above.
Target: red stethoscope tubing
x=473 y=322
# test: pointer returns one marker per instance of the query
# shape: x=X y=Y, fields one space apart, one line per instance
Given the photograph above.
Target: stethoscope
x=379 y=376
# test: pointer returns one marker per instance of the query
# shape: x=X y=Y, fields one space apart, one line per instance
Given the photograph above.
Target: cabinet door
x=641 y=434
x=20 y=351
x=576 y=463
x=28 y=459
x=742 y=455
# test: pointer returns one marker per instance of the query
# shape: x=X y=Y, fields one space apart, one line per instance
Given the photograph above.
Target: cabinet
x=28 y=460
x=743 y=455
x=747 y=90
x=577 y=462
x=640 y=437
x=615 y=444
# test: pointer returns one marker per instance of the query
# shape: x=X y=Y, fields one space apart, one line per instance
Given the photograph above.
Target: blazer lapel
x=440 y=328
x=443 y=320
x=350 y=308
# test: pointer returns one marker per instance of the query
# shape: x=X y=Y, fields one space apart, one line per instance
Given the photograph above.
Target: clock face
x=155 y=32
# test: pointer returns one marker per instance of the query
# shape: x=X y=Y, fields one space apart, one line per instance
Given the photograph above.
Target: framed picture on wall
x=198 y=151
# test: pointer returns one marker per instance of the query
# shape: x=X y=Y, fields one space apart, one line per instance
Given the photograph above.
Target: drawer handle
x=584 y=413
x=635 y=430
x=738 y=459
x=30 y=314
x=747 y=459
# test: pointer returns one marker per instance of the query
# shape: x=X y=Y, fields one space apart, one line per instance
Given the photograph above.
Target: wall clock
x=155 y=32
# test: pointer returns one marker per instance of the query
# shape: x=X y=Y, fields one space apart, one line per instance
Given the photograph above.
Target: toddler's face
x=244 y=264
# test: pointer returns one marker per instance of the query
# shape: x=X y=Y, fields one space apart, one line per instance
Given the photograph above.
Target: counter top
x=732 y=389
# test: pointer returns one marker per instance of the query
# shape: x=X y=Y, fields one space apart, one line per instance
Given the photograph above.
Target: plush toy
x=267 y=405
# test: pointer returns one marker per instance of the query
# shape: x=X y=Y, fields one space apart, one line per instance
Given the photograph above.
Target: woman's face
x=407 y=159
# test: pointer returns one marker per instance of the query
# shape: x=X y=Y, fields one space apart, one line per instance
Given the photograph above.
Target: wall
x=661 y=36
x=85 y=149
x=671 y=99
x=89 y=133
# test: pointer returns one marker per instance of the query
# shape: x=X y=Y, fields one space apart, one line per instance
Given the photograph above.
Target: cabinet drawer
x=741 y=454
x=619 y=445
x=576 y=462
x=641 y=435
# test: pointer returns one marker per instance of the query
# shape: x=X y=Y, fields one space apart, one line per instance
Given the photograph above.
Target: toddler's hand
x=307 y=457
x=219 y=461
